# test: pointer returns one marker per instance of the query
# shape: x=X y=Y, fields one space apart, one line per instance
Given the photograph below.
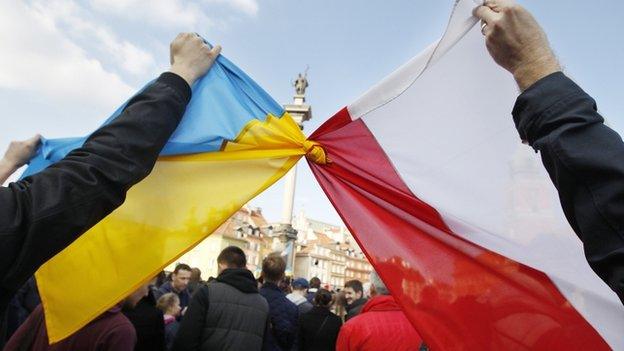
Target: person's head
x=273 y=268
x=195 y=275
x=300 y=286
x=231 y=257
x=315 y=283
x=377 y=285
x=169 y=304
x=323 y=298
x=131 y=301
x=353 y=290
x=181 y=277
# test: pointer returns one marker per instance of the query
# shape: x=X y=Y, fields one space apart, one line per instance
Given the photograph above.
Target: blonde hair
x=167 y=301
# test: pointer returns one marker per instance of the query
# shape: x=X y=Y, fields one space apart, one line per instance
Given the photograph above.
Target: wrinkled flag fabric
x=457 y=216
x=233 y=142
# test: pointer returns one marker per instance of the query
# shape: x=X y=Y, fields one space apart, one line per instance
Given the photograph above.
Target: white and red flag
x=458 y=217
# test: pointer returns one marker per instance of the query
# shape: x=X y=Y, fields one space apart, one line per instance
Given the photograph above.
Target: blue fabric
x=223 y=102
x=283 y=317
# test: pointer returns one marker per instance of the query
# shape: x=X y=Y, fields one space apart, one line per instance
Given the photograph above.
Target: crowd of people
x=44 y=213
x=233 y=311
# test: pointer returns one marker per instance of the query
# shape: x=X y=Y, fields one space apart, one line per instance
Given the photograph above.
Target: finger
x=485 y=14
x=34 y=141
x=498 y=5
x=215 y=51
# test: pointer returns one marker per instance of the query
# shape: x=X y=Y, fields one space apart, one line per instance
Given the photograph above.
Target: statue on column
x=301 y=83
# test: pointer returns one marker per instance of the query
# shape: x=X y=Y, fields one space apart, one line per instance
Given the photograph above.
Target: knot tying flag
x=315 y=152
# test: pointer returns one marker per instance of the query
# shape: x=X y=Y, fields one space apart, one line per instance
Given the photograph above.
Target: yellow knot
x=315 y=153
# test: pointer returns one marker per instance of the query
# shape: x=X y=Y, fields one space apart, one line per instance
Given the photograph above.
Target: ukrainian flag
x=233 y=142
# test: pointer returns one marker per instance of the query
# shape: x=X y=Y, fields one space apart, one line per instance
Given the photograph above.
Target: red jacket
x=380 y=326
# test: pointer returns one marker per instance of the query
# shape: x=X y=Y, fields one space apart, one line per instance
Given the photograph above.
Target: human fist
x=191 y=57
x=516 y=41
x=20 y=152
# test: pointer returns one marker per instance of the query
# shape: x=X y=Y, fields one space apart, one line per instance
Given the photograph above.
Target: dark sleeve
x=190 y=332
x=44 y=213
x=585 y=161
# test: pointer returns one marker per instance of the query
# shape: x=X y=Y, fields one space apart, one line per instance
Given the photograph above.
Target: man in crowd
x=315 y=285
x=195 y=280
x=111 y=331
x=381 y=325
x=42 y=214
x=298 y=295
x=148 y=322
x=353 y=293
x=283 y=314
x=584 y=157
x=228 y=313
x=178 y=285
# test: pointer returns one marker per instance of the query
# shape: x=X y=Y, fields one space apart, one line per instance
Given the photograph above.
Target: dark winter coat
x=585 y=160
x=42 y=214
x=283 y=319
x=228 y=313
x=318 y=330
x=148 y=323
x=354 y=308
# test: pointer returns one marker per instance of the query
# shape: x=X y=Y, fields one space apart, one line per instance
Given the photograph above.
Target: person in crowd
x=381 y=325
x=24 y=302
x=283 y=314
x=228 y=313
x=179 y=285
x=169 y=304
x=111 y=331
x=584 y=157
x=42 y=214
x=285 y=285
x=315 y=285
x=318 y=329
x=353 y=293
x=298 y=295
x=195 y=280
x=148 y=322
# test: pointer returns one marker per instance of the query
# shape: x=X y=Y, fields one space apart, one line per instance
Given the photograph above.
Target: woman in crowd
x=318 y=329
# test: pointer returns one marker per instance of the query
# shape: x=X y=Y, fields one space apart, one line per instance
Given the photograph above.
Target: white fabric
x=444 y=120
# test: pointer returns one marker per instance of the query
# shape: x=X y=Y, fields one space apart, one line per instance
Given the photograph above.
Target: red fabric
x=459 y=296
x=111 y=331
x=380 y=326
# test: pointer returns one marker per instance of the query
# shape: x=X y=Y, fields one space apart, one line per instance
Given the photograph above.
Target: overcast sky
x=66 y=65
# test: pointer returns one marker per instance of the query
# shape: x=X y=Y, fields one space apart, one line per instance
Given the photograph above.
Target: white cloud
x=79 y=25
x=167 y=13
x=38 y=58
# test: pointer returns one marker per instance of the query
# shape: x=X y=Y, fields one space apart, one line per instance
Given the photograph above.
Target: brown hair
x=355 y=284
x=273 y=268
x=233 y=257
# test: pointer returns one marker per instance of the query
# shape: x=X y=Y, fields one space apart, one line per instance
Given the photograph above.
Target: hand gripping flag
x=456 y=215
x=233 y=142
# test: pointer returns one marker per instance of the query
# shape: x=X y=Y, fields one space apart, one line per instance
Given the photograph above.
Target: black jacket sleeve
x=189 y=336
x=42 y=214
x=585 y=160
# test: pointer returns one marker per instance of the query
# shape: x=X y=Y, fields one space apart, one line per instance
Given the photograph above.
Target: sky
x=66 y=65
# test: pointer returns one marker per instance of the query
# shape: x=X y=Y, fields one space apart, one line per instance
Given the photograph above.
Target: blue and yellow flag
x=233 y=142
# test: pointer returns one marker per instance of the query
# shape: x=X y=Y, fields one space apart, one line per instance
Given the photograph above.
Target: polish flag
x=457 y=215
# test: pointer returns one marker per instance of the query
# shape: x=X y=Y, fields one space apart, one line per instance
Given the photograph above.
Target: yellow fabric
x=180 y=203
